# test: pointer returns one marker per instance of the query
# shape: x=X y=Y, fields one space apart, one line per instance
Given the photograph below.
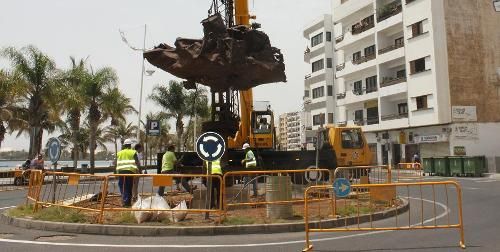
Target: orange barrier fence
x=377 y=174
x=34 y=186
x=403 y=206
x=408 y=172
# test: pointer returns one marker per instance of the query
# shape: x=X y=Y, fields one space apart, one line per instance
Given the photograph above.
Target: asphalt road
x=481 y=214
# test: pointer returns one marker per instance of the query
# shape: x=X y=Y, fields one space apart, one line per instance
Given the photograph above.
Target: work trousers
x=215 y=193
x=183 y=181
x=125 y=184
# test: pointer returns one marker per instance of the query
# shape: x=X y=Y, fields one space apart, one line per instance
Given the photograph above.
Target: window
x=352 y=139
x=370 y=50
x=328 y=36
x=358 y=88
x=371 y=84
x=329 y=90
x=372 y=116
x=306 y=93
x=330 y=118
x=316 y=40
x=318 y=92
x=318 y=65
x=401 y=73
x=356 y=56
x=329 y=63
x=358 y=115
x=417 y=66
x=421 y=102
x=403 y=108
x=417 y=29
x=318 y=119
x=399 y=42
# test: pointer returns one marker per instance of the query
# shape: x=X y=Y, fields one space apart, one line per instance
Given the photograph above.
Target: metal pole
x=209 y=190
x=318 y=135
x=54 y=184
x=142 y=83
x=194 y=134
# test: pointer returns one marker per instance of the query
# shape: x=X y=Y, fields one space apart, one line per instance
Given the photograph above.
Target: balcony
x=340 y=96
x=351 y=67
x=339 y=38
x=389 y=81
x=340 y=67
x=389 y=10
x=363 y=59
x=366 y=121
x=364 y=25
x=348 y=8
x=307 y=76
x=391 y=48
x=394 y=117
x=307 y=55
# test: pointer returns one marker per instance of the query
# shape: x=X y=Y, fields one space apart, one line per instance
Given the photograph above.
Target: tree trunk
x=35 y=141
x=93 y=130
x=116 y=151
x=180 y=130
x=2 y=133
x=75 y=130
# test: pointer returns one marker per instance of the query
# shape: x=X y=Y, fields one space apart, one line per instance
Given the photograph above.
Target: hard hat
x=127 y=141
x=245 y=145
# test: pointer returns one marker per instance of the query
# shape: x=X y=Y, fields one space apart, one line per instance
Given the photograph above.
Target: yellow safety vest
x=125 y=161
x=216 y=168
x=250 y=161
x=168 y=161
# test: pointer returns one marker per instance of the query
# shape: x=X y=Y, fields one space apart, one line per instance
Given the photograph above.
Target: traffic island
x=71 y=221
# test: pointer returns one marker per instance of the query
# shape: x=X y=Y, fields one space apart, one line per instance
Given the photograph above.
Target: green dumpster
x=441 y=166
x=456 y=165
x=474 y=166
x=428 y=166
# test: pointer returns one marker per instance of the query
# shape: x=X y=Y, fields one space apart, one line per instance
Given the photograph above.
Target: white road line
x=447 y=211
x=3 y=208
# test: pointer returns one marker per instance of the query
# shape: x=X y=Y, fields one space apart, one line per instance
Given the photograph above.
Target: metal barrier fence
x=34 y=186
x=70 y=190
x=198 y=205
x=403 y=206
x=14 y=180
x=269 y=194
x=408 y=172
x=377 y=174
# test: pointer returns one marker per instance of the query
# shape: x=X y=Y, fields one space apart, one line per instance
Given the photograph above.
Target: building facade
x=292 y=128
x=419 y=76
x=319 y=99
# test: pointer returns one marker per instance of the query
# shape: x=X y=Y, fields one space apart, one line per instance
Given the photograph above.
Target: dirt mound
x=238 y=57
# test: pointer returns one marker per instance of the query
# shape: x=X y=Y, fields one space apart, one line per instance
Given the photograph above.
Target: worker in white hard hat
x=127 y=162
x=250 y=162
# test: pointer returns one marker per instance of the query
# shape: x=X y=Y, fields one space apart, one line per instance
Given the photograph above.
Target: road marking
x=3 y=208
x=446 y=212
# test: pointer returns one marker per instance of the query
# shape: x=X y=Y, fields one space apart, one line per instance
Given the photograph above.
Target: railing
x=403 y=206
x=339 y=38
x=389 y=81
x=340 y=67
x=364 y=59
x=307 y=76
x=391 y=48
x=341 y=96
x=389 y=10
x=362 y=27
x=394 y=117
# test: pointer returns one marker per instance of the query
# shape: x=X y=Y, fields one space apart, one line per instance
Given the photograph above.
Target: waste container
x=428 y=166
x=85 y=168
x=456 y=165
x=441 y=166
x=474 y=166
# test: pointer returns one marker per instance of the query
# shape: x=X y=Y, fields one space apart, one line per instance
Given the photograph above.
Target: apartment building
x=419 y=76
x=292 y=128
x=319 y=98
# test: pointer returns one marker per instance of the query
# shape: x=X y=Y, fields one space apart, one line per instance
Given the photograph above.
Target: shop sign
x=463 y=113
x=465 y=131
x=459 y=151
x=431 y=139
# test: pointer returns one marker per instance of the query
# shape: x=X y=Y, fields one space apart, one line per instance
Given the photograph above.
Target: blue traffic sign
x=54 y=150
x=210 y=146
x=342 y=187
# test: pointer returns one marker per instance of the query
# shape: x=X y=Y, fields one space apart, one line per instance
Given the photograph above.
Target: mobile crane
x=336 y=146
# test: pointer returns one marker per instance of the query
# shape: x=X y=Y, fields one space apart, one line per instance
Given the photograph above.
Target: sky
x=90 y=28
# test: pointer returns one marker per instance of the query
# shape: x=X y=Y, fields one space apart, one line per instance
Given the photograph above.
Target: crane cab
x=350 y=145
x=262 y=129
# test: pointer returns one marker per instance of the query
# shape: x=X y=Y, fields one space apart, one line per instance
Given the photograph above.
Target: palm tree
x=179 y=103
x=74 y=101
x=9 y=97
x=37 y=73
x=116 y=106
x=198 y=109
x=96 y=87
x=121 y=131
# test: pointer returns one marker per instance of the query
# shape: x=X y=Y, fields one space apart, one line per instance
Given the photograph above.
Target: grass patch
x=238 y=220
x=353 y=210
x=123 y=218
x=21 y=211
x=60 y=214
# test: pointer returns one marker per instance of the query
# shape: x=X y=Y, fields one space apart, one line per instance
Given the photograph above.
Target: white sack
x=177 y=216
x=142 y=216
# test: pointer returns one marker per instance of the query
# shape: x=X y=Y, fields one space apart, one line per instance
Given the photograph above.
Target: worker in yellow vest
x=216 y=182
x=127 y=162
x=168 y=165
x=250 y=162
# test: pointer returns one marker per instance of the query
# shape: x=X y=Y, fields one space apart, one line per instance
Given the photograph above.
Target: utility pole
x=142 y=83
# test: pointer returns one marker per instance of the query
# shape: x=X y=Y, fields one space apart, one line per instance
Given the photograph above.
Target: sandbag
x=158 y=202
x=177 y=216
x=142 y=216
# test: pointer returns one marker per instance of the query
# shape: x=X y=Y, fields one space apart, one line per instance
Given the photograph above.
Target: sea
x=10 y=165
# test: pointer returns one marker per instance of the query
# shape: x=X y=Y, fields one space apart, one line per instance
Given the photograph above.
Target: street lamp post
x=142 y=83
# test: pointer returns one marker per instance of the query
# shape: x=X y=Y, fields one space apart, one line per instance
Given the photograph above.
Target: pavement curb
x=124 y=230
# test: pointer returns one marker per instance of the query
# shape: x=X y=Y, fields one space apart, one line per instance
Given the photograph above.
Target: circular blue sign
x=54 y=150
x=342 y=187
x=210 y=146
